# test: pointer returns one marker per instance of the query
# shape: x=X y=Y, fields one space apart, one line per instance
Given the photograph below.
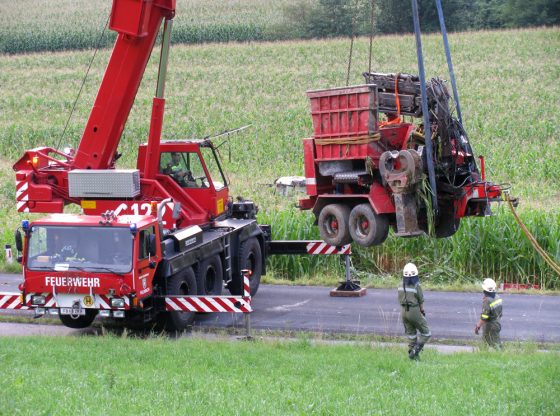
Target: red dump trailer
x=365 y=163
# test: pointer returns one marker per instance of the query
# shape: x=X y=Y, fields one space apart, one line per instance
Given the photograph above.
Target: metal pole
x=425 y=113
x=347 y=263
x=448 y=57
x=164 y=56
x=248 y=325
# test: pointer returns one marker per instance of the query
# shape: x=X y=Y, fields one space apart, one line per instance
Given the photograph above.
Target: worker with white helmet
x=411 y=299
x=491 y=315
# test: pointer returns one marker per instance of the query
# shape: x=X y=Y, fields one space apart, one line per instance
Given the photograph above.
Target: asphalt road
x=450 y=315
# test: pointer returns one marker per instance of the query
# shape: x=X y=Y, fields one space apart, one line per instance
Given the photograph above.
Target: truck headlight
x=38 y=300
x=117 y=303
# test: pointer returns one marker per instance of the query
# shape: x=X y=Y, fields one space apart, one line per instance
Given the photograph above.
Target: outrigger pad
x=349 y=289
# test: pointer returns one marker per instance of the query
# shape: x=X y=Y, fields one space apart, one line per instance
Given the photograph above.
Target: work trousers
x=415 y=322
x=491 y=334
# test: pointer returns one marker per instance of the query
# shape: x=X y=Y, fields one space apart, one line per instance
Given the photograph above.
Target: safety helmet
x=410 y=270
x=489 y=285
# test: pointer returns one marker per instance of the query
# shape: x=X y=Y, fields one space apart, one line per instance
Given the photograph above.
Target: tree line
x=332 y=18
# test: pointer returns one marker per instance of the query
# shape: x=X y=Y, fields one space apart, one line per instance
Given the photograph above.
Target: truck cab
x=78 y=265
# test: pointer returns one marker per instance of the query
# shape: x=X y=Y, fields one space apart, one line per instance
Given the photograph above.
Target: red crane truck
x=155 y=243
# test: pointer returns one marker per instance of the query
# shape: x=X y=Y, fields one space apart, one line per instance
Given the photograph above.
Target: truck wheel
x=333 y=224
x=366 y=227
x=82 y=321
x=181 y=283
x=446 y=223
x=250 y=257
x=210 y=277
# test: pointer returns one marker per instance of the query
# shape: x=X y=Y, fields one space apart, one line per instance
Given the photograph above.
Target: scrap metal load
x=364 y=175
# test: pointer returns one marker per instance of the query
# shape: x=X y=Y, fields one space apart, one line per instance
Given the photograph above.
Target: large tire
x=181 y=283
x=82 y=321
x=446 y=223
x=333 y=224
x=366 y=227
x=210 y=277
x=250 y=257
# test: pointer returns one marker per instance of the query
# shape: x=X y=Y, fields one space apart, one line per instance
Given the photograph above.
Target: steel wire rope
x=350 y=57
x=372 y=19
x=98 y=43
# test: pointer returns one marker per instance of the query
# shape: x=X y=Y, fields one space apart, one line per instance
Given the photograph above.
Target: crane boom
x=133 y=47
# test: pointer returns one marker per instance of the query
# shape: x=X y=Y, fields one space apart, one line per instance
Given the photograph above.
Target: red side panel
x=309 y=162
x=344 y=112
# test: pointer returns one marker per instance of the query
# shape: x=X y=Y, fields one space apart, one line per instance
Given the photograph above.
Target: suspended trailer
x=366 y=174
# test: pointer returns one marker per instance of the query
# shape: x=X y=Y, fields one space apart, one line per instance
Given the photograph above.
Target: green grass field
x=109 y=375
x=509 y=91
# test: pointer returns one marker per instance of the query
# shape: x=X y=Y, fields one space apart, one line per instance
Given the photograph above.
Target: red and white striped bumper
x=11 y=301
x=235 y=304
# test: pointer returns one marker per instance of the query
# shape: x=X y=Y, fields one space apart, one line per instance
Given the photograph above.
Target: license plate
x=72 y=311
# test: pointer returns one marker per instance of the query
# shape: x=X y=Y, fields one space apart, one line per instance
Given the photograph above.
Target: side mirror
x=152 y=247
x=19 y=241
x=176 y=210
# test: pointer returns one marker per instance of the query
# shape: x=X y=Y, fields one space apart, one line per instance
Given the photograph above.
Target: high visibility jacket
x=410 y=296
x=491 y=309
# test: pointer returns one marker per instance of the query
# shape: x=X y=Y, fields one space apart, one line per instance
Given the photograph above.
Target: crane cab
x=191 y=173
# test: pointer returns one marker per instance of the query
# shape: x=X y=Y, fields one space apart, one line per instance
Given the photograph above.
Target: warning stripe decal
x=320 y=247
x=233 y=304
x=11 y=301
x=22 y=196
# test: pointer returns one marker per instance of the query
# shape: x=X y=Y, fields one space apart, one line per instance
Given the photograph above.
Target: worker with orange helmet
x=491 y=315
x=411 y=299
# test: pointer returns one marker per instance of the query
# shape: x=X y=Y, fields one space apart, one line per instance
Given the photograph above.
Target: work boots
x=414 y=352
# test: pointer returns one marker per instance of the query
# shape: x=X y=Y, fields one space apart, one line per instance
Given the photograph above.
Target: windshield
x=100 y=249
x=187 y=170
x=213 y=165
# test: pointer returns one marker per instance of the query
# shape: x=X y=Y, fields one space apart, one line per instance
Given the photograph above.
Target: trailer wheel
x=181 y=283
x=82 y=321
x=210 y=277
x=366 y=227
x=446 y=223
x=333 y=224
x=250 y=257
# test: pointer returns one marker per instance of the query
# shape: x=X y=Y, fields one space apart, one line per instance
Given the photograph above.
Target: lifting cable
x=372 y=22
x=555 y=266
x=350 y=57
x=98 y=44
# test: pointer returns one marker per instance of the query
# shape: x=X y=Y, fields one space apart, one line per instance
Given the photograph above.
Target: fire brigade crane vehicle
x=153 y=244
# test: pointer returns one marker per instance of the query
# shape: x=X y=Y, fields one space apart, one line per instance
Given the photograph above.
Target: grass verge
x=194 y=376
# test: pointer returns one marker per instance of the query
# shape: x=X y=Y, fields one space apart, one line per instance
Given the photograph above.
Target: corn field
x=508 y=84
x=54 y=25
